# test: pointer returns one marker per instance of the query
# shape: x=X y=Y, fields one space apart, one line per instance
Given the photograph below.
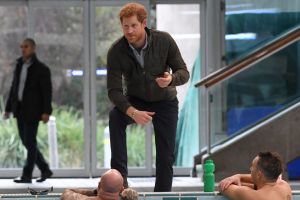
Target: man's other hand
x=45 y=118
x=142 y=117
x=6 y=115
x=165 y=80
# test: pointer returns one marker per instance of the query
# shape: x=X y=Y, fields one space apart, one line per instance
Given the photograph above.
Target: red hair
x=133 y=9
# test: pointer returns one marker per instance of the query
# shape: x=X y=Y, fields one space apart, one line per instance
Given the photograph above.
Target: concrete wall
x=281 y=135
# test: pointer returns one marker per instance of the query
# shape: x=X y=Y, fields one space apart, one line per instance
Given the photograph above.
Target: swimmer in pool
x=109 y=188
x=264 y=182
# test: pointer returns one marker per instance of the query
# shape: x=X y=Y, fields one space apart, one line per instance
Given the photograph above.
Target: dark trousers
x=28 y=133
x=164 y=122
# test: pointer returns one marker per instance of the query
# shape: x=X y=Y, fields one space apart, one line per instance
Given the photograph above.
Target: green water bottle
x=209 y=176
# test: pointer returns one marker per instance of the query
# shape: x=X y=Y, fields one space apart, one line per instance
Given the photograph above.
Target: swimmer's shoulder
x=285 y=189
x=283 y=184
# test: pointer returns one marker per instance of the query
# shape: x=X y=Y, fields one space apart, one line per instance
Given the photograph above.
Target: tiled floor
x=140 y=184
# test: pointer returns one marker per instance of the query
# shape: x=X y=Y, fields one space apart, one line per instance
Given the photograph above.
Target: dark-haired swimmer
x=264 y=182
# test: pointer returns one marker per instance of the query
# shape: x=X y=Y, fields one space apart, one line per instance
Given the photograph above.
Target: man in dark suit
x=30 y=101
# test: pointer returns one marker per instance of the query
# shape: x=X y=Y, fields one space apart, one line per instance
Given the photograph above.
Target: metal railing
x=250 y=60
x=237 y=67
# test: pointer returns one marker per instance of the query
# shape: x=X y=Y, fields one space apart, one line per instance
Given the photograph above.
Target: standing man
x=30 y=101
x=147 y=65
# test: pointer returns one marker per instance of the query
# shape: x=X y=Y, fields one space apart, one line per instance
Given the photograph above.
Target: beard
x=131 y=38
x=134 y=38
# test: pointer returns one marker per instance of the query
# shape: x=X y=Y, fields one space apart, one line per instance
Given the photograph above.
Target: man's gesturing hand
x=164 y=81
x=6 y=115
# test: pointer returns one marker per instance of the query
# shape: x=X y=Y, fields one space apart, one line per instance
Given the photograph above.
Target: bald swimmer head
x=110 y=185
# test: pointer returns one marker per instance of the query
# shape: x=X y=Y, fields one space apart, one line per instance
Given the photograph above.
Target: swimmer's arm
x=246 y=178
x=237 y=179
x=77 y=194
x=249 y=185
x=235 y=192
x=86 y=192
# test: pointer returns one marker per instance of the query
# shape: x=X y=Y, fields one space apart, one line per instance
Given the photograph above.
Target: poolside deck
x=141 y=184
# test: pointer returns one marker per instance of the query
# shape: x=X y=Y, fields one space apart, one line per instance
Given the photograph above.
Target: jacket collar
x=149 y=35
x=34 y=59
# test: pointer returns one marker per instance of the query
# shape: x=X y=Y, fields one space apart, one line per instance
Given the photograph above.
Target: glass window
x=59 y=35
x=250 y=24
x=173 y=18
x=256 y=93
x=59 y=32
x=182 y=22
x=261 y=90
x=13 y=25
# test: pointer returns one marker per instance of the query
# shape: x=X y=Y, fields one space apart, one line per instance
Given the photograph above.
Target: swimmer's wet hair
x=271 y=165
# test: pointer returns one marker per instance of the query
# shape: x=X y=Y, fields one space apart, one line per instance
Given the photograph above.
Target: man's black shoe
x=22 y=180
x=44 y=176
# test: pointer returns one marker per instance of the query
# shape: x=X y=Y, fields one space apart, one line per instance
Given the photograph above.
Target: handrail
x=251 y=59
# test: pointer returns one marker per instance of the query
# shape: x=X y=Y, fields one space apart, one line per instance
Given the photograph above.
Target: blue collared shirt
x=140 y=56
